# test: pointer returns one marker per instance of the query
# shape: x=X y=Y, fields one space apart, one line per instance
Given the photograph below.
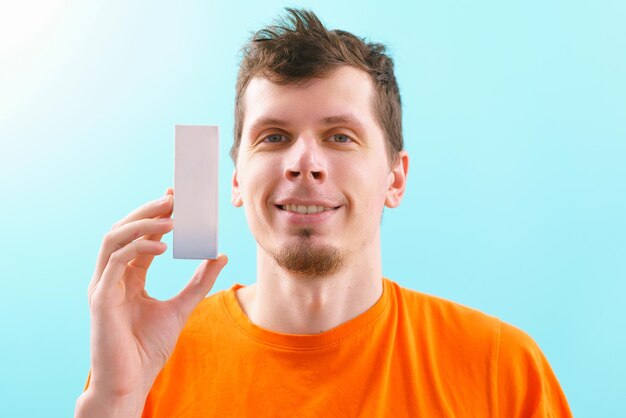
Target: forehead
x=345 y=91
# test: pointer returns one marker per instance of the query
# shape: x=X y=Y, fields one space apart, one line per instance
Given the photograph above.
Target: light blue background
x=514 y=116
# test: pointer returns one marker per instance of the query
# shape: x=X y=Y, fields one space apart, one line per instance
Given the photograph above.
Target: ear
x=235 y=197
x=397 y=180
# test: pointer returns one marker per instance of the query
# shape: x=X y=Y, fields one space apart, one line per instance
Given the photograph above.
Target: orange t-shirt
x=409 y=355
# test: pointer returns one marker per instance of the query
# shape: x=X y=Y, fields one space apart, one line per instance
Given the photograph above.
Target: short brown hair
x=298 y=48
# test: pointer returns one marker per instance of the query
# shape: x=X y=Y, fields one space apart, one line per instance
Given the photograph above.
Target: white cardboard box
x=195 y=191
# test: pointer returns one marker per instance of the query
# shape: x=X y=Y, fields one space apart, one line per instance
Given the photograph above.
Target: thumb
x=199 y=285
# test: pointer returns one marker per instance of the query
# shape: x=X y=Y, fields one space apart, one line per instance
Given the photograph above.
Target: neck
x=282 y=301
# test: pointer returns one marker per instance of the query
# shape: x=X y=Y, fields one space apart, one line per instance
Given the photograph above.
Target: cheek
x=255 y=196
x=370 y=197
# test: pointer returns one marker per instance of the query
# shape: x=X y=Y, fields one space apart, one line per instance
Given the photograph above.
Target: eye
x=275 y=138
x=340 y=138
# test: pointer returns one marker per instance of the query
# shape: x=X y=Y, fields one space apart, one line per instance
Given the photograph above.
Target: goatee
x=309 y=260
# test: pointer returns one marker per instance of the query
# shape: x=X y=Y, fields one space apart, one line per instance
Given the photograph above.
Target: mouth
x=305 y=209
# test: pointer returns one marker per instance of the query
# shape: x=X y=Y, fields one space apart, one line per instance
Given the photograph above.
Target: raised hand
x=133 y=334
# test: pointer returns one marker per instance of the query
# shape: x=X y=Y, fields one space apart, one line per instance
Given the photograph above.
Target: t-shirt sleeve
x=88 y=380
x=526 y=384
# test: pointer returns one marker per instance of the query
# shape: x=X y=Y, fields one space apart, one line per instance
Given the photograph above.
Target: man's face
x=312 y=170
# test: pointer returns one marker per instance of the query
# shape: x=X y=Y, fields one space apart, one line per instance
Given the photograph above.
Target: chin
x=306 y=258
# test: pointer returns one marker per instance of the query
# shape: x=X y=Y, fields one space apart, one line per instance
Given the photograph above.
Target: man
x=318 y=153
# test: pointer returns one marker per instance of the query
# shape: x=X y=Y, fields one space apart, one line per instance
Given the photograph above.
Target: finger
x=199 y=286
x=120 y=237
x=145 y=260
x=153 y=209
x=118 y=262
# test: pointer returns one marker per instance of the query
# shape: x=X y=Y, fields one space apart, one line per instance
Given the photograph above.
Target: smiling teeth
x=303 y=209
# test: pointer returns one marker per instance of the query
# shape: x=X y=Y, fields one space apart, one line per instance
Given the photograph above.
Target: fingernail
x=164 y=198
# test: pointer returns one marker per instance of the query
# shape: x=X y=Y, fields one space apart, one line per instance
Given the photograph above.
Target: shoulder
x=459 y=322
x=484 y=348
x=444 y=317
x=210 y=310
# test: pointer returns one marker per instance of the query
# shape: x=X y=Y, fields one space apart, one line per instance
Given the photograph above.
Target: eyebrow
x=346 y=119
x=343 y=119
x=261 y=122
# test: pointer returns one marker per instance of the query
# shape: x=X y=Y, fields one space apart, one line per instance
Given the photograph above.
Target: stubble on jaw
x=308 y=260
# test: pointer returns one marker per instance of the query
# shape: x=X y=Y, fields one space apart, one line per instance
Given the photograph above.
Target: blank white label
x=195 y=191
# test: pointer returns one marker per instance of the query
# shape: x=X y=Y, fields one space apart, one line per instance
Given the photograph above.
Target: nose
x=306 y=162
